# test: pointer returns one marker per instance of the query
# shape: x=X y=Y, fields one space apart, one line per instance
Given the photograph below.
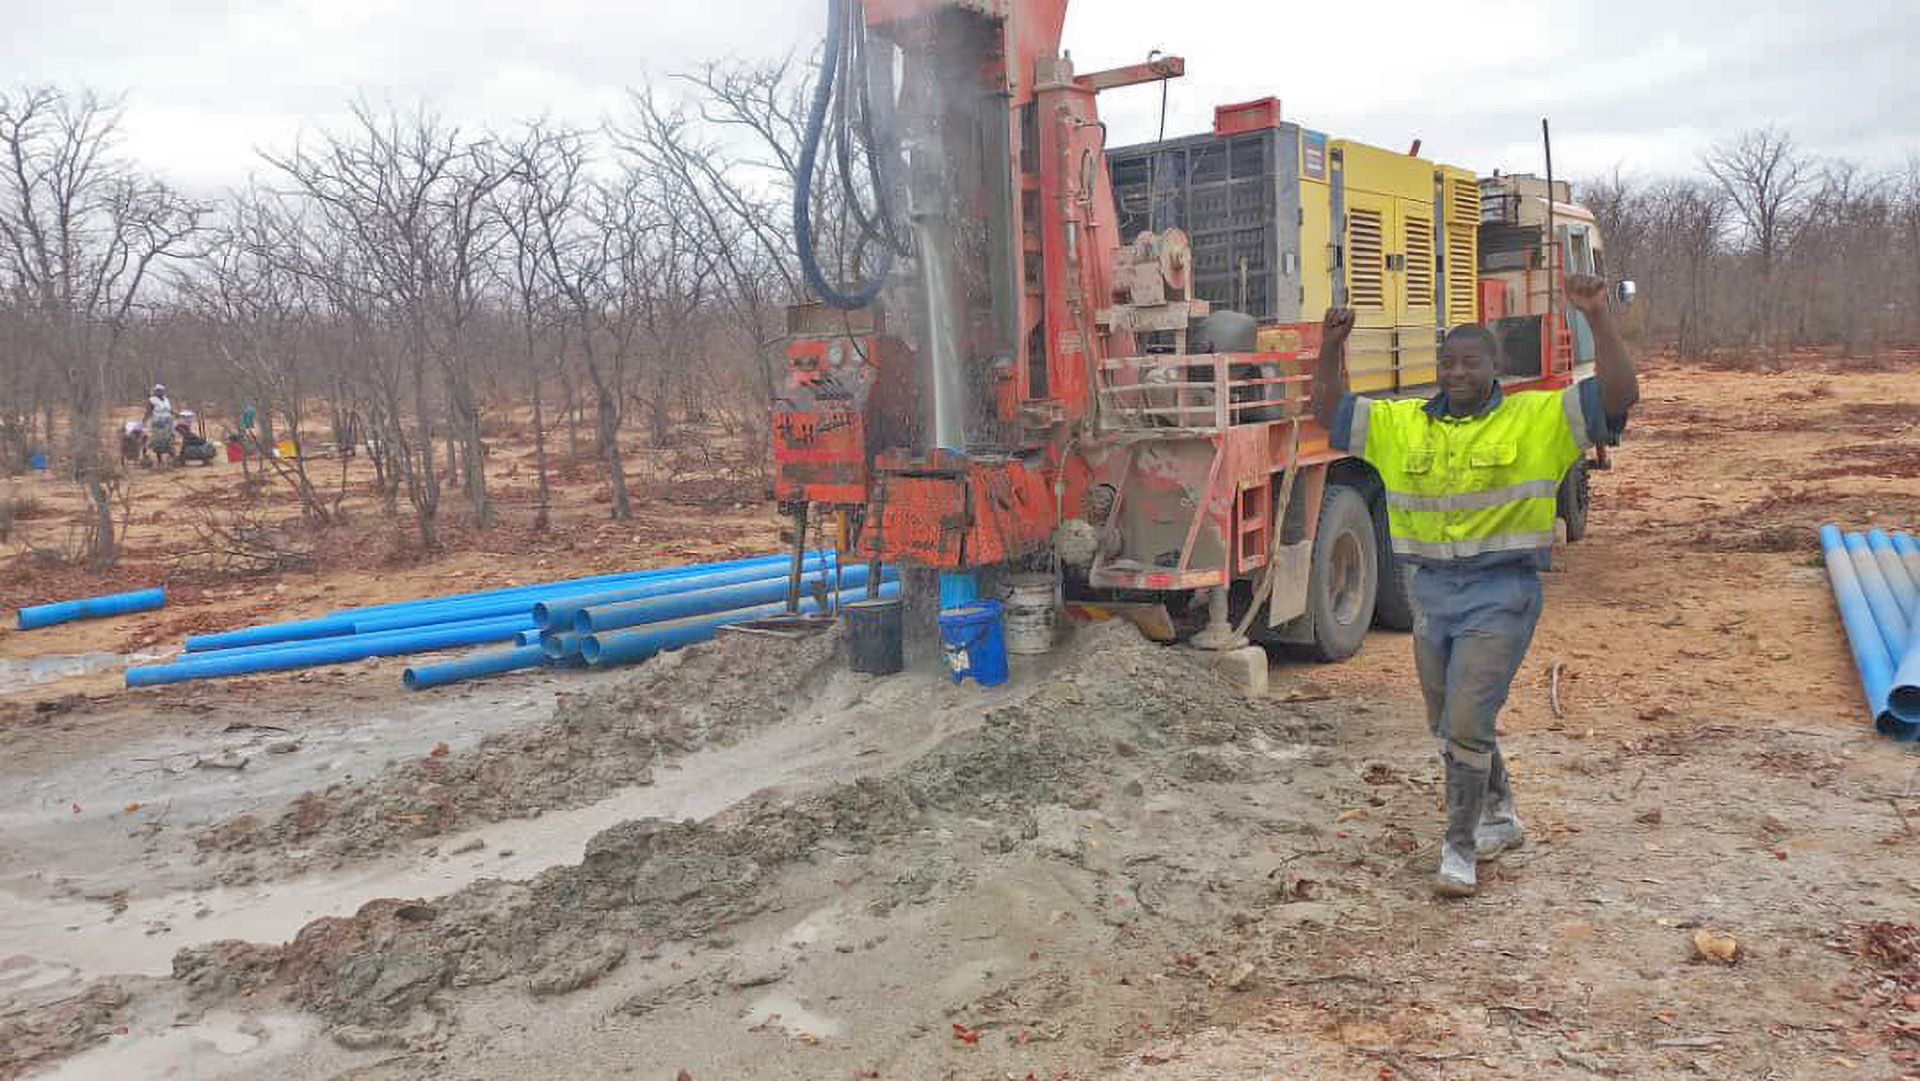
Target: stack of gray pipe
x=437 y=623
x=1876 y=585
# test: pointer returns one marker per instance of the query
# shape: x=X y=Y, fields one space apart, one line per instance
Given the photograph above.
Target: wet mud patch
x=593 y=745
x=648 y=883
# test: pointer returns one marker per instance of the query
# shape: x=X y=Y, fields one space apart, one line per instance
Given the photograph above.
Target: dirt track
x=1111 y=868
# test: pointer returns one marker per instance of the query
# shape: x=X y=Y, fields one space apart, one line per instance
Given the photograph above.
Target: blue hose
x=1870 y=657
x=485 y=664
x=112 y=604
x=606 y=649
x=559 y=613
x=608 y=617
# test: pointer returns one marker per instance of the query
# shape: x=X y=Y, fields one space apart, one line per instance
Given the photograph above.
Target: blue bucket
x=976 y=642
x=37 y=462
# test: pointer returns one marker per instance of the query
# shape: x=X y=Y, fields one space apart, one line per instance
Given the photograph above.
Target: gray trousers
x=1471 y=630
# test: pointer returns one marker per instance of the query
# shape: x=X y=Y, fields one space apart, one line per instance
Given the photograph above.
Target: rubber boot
x=1466 y=801
x=1500 y=825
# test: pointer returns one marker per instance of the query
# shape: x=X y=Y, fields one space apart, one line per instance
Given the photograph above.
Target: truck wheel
x=1576 y=496
x=1393 y=608
x=1345 y=579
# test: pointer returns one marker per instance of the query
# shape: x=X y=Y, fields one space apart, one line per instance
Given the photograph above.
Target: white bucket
x=1029 y=614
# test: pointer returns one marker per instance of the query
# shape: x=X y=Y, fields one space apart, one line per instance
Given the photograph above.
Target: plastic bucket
x=1030 y=614
x=37 y=462
x=876 y=636
x=975 y=642
x=235 y=450
x=958 y=588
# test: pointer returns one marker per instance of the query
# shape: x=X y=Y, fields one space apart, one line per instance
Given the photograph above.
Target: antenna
x=1553 y=244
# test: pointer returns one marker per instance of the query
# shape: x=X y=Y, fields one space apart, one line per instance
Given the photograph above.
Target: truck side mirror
x=1625 y=292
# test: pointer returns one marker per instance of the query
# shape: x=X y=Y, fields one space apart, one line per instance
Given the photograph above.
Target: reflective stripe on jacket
x=1466 y=491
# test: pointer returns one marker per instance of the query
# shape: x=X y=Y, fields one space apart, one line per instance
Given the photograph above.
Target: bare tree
x=741 y=208
x=544 y=169
x=402 y=239
x=261 y=313
x=1767 y=180
x=81 y=231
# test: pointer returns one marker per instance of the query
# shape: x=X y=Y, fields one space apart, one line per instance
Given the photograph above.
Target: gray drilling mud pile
x=34 y=1034
x=646 y=883
x=593 y=745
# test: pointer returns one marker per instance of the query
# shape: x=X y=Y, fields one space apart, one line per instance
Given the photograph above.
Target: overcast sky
x=1639 y=84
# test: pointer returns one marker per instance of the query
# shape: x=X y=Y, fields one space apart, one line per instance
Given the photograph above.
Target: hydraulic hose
x=863 y=293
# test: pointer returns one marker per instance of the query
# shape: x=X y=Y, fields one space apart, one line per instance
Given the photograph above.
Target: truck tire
x=1576 y=497
x=1345 y=578
x=1393 y=608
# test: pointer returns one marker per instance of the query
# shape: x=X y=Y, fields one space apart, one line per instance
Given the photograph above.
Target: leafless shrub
x=244 y=541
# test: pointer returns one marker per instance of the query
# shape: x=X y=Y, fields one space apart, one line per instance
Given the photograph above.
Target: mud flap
x=1293 y=564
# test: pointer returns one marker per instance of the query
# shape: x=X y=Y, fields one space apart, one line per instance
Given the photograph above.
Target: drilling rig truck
x=1093 y=362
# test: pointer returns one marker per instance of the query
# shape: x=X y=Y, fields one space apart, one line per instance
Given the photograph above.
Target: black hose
x=863 y=293
x=878 y=130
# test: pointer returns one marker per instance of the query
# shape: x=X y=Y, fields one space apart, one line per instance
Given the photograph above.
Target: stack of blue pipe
x=710 y=591
x=1876 y=585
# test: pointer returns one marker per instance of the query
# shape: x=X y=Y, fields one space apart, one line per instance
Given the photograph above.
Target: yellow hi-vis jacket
x=1479 y=490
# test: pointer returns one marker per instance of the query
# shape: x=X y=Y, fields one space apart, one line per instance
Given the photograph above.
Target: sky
x=1636 y=85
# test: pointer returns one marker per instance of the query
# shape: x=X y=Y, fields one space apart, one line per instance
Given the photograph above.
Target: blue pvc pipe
x=565 y=601
x=1903 y=698
x=561 y=645
x=420 y=677
x=112 y=604
x=602 y=581
x=528 y=637
x=327 y=651
x=1894 y=569
x=471 y=605
x=1870 y=657
x=606 y=649
x=519 y=620
x=559 y=613
x=1887 y=616
x=608 y=617
x=1909 y=552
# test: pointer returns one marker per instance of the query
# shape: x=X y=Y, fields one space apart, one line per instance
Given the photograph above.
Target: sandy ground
x=750 y=863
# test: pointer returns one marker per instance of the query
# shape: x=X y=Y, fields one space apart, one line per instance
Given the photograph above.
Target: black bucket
x=876 y=639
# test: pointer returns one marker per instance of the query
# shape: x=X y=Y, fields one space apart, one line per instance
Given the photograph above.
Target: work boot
x=1466 y=801
x=1500 y=825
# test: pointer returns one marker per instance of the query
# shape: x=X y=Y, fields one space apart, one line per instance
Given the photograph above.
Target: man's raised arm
x=1613 y=363
x=1330 y=376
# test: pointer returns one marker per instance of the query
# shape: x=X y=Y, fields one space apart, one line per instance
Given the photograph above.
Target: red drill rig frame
x=1097 y=440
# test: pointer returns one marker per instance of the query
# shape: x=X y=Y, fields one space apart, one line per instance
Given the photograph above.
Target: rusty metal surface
x=954 y=513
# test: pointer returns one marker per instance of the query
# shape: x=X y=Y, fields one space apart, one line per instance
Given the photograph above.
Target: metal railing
x=1192 y=393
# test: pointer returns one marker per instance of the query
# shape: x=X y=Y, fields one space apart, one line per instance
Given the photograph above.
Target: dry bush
x=242 y=541
x=16 y=508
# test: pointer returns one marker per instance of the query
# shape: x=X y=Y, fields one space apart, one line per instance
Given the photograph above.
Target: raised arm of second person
x=1330 y=375
x=1613 y=362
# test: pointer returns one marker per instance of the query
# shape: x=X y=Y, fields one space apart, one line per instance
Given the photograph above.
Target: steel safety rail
x=1160 y=394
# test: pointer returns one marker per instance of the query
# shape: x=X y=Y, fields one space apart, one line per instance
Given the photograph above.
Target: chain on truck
x=1093 y=362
